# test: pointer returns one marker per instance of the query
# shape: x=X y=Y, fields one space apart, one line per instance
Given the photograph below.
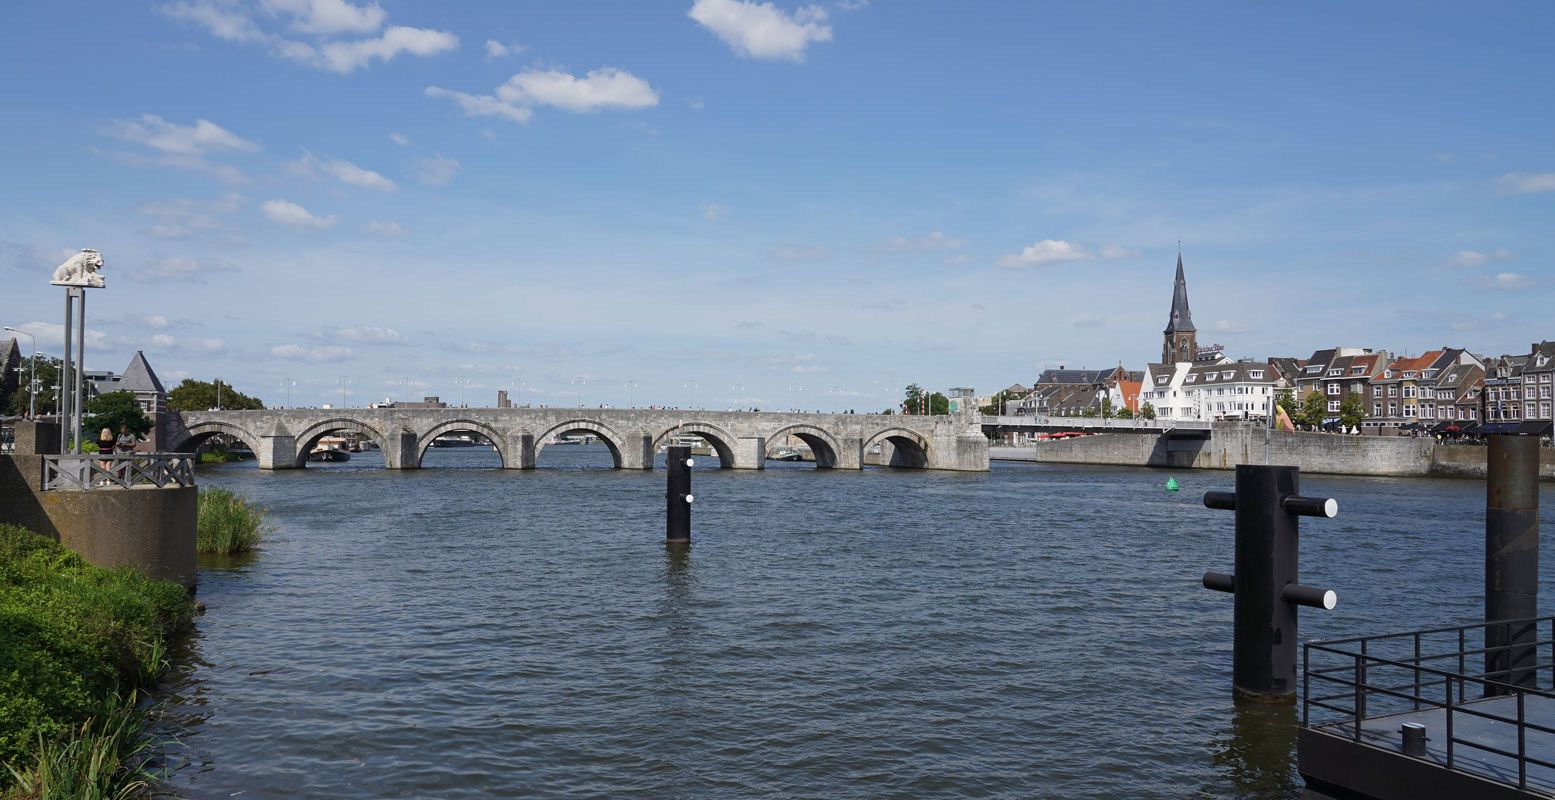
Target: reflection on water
x=1256 y=756
x=1032 y=632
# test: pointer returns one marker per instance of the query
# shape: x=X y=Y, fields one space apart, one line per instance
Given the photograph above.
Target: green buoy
x=1171 y=484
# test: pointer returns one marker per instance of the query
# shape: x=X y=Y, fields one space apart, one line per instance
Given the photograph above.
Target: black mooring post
x=1264 y=587
x=1511 y=560
x=677 y=496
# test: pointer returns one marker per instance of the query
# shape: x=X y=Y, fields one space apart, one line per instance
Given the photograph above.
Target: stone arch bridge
x=282 y=439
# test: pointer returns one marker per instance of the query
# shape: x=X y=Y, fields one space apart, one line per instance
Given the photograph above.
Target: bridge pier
x=521 y=446
x=851 y=453
x=277 y=451
x=638 y=452
x=750 y=452
x=399 y=451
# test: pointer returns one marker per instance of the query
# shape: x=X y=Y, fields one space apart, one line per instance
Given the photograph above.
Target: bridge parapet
x=281 y=439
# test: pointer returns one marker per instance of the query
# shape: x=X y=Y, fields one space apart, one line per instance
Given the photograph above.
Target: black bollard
x=1511 y=560
x=1264 y=588
x=677 y=496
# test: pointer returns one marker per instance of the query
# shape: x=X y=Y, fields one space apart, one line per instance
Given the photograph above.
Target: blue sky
x=767 y=204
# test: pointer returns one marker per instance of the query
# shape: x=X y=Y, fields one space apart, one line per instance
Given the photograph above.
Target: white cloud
x=1047 y=251
x=1231 y=326
x=163 y=340
x=343 y=171
x=713 y=212
x=482 y=105
x=436 y=171
x=182 y=218
x=762 y=30
x=202 y=138
x=391 y=230
x=53 y=334
x=496 y=49
x=399 y=139
x=229 y=21
x=1113 y=252
x=605 y=88
x=600 y=88
x=362 y=335
x=1526 y=182
x=156 y=322
x=187 y=270
x=318 y=354
x=1474 y=258
x=1508 y=280
x=289 y=213
x=328 y=16
x=205 y=345
x=936 y=240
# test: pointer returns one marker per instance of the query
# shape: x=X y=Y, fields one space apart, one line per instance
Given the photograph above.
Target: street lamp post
x=287 y=385
x=692 y=385
x=32 y=374
x=462 y=383
x=578 y=381
x=344 y=381
x=735 y=391
x=631 y=391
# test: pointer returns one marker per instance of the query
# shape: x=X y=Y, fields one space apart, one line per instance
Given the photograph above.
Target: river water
x=1037 y=631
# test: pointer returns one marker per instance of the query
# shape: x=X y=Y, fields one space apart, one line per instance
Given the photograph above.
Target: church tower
x=1181 y=338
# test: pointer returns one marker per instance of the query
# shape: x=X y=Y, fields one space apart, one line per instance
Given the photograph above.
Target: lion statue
x=80 y=270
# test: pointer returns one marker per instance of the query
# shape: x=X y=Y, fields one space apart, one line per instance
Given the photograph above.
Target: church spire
x=1180 y=339
x=1181 y=319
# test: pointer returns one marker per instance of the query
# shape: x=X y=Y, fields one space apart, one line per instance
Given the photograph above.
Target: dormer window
x=1541 y=360
x=1228 y=375
x=1192 y=378
x=1335 y=372
x=1161 y=381
x=1209 y=376
x=1256 y=374
x=1357 y=370
x=1387 y=373
x=1314 y=369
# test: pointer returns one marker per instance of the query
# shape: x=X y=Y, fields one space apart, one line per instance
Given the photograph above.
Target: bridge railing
x=1094 y=423
x=94 y=471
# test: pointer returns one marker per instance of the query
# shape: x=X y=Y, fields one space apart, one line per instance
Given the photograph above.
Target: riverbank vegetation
x=228 y=523
x=77 y=643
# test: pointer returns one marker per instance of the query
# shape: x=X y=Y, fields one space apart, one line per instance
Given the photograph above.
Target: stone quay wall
x=1235 y=443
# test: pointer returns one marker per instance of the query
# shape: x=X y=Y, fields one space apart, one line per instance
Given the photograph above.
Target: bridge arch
x=823 y=445
x=721 y=440
x=491 y=434
x=909 y=448
x=611 y=439
x=201 y=433
x=311 y=435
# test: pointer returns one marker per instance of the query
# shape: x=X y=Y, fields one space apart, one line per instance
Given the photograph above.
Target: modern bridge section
x=282 y=439
x=1190 y=429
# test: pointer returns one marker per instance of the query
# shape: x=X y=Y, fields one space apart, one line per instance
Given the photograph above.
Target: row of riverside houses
x=1448 y=390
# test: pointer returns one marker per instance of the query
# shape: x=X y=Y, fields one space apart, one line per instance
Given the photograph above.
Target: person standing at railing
x=105 y=441
x=126 y=440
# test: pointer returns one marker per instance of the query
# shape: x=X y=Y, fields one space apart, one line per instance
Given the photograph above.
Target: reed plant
x=107 y=757
x=228 y=523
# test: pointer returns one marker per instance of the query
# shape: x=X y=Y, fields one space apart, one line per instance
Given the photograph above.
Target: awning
x=1497 y=429
x=1330 y=420
x=1471 y=429
x=1440 y=427
x=1540 y=428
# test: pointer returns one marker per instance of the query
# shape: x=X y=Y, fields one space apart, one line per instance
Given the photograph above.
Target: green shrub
x=71 y=635
x=228 y=523
x=105 y=758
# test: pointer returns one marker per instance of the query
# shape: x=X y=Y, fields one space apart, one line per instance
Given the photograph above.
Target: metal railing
x=1090 y=423
x=116 y=471
x=1399 y=673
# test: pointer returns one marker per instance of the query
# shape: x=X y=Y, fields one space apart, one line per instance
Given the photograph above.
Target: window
x=1357 y=370
x=1314 y=369
x=1335 y=372
x=1392 y=391
x=1333 y=389
x=1409 y=391
x=1376 y=409
x=1473 y=413
x=1392 y=409
x=1209 y=376
x=1387 y=373
x=1256 y=374
x=1192 y=378
x=1333 y=405
x=1161 y=380
x=1227 y=375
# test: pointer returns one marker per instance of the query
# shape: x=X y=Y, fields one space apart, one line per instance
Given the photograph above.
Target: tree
x=193 y=395
x=918 y=403
x=1352 y=409
x=1314 y=407
x=1088 y=412
x=1286 y=399
x=111 y=411
x=996 y=405
x=1125 y=413
x=1106 y=408
x=1147 y=411
x=48 y=376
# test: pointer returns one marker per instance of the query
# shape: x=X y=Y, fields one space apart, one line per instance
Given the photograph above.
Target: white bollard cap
x=690 y=463
x=690 y=498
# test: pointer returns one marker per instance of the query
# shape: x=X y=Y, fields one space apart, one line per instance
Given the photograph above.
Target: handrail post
x=1417 y=671
x=1359 y=704
x=1522 y=745
x=1448 y=681
x=1511 y=559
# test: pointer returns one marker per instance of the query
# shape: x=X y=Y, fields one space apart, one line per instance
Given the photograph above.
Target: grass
x=76 y=642
x=228 y=523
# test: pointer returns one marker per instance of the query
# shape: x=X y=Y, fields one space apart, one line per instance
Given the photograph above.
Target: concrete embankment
x=1234 y=444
